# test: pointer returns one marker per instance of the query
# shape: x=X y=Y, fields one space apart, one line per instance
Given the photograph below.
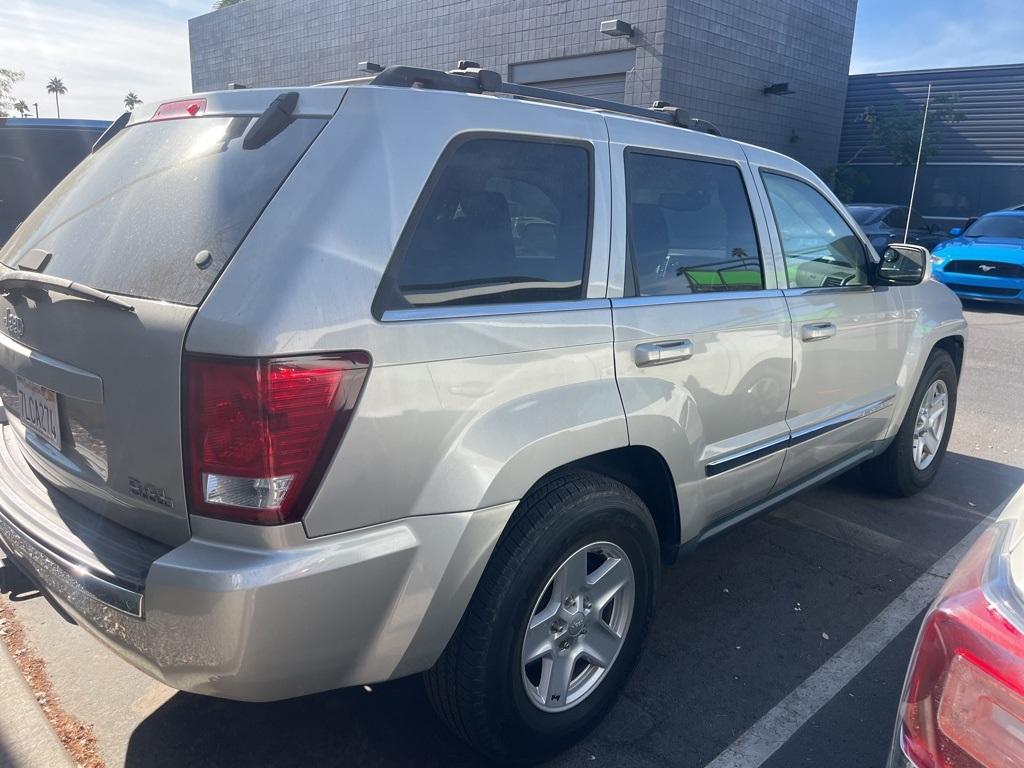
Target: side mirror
x=903 y=264
x=956 y=231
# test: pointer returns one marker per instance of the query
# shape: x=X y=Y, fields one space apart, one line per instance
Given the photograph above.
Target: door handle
x=661 y=352
x=817 y=331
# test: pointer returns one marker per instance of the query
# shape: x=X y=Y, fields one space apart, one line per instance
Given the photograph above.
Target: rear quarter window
x=501 y=221
x=131 y=218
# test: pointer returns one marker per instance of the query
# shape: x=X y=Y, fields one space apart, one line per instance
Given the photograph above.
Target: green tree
x=224 y=4
x=57 y=88
x=8 y=77
x=895 y=132
x=21 y=107
x=131 y=101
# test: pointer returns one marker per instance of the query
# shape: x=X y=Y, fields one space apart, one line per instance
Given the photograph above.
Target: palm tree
x=132 y=100
x=21 y=107
x=57 y=88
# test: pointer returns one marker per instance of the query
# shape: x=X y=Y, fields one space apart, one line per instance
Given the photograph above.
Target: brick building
x=714 y=58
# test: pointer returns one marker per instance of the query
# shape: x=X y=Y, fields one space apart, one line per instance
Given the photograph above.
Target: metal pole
x=36 y=105
x=917 y=167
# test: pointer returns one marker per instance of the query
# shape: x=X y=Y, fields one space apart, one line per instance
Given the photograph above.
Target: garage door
x=611 y=87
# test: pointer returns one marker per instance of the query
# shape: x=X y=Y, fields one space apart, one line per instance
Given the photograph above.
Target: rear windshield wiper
x=20 y=279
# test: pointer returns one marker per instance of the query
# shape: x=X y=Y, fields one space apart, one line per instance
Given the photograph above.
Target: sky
x=101 y=49
x=104 y=48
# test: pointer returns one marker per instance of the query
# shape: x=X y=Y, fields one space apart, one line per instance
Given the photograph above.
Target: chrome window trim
x=687 y=298
x=812 y=290
x=490 y=310
x=760 y=450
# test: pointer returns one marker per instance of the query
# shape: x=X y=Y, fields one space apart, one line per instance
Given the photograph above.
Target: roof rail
x=470 y=78
x=359 y=80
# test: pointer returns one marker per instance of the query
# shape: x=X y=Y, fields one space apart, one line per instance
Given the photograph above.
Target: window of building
x=504 y=220
x=690 y=227
x=820 y=248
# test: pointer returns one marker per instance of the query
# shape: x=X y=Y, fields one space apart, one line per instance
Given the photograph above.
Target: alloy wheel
x=931 y=424
x=577 y=626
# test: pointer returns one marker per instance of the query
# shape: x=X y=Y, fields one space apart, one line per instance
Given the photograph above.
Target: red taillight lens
x=261 y=432
x=964 y=701
x=184 y=108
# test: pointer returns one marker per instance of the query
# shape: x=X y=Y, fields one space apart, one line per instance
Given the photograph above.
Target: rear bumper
x=255 y=622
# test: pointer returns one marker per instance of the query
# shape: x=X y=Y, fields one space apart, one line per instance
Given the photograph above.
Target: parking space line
x=767 y=735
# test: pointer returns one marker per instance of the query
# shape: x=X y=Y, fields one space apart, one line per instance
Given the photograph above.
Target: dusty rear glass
x=131 y=218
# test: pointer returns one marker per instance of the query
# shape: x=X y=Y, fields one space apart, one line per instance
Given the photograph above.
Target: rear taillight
x=260 y=432
x=963 y=704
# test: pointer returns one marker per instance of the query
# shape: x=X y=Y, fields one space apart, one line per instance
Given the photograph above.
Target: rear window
x=131 y=218
x=503 y=220
x=864 y=214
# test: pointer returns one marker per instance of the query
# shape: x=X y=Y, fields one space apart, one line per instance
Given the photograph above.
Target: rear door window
x=690 y=227
x=501 y=221
x=131 y=218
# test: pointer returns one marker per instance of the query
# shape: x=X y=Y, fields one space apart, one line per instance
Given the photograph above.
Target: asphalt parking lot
x=807 y=606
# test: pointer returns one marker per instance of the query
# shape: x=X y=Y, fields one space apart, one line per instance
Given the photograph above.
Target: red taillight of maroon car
x=261 y=432
x=963 y=704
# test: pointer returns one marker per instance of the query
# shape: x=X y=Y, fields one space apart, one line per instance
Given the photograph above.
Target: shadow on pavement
x=740 y=624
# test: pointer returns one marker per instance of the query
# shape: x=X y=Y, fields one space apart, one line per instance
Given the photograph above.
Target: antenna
x=917 y=167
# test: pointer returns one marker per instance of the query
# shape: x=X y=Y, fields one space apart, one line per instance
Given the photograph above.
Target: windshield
x=997 y=226
x=864 y=214
x=131 y=218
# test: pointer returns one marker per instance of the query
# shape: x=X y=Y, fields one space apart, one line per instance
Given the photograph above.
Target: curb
x=25 y=735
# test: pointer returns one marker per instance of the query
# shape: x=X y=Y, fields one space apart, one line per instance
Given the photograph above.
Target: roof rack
x=469 y=77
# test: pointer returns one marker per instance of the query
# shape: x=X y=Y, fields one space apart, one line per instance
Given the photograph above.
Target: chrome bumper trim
x=48 y=566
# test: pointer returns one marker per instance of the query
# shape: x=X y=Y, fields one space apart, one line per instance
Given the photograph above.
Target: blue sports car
x=986 y=260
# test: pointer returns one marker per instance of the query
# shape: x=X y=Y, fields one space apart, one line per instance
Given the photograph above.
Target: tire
x=480 y=687
x=895 y=471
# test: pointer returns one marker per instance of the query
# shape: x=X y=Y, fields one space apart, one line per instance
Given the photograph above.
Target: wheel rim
x=577 y=626
x=931 y=424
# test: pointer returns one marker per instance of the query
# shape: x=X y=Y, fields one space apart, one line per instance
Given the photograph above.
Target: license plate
x=39 y=411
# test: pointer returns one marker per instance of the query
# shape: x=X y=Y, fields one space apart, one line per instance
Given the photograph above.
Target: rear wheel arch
x=645 y=472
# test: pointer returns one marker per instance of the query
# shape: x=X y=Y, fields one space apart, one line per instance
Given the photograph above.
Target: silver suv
x=316 y=388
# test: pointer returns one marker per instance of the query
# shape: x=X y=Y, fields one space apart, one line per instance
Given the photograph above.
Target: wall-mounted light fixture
x=616 y=28
x=778 y=89
x=369 y=66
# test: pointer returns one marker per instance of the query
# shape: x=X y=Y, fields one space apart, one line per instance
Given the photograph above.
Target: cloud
x=942 y=33
x=101 y=50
